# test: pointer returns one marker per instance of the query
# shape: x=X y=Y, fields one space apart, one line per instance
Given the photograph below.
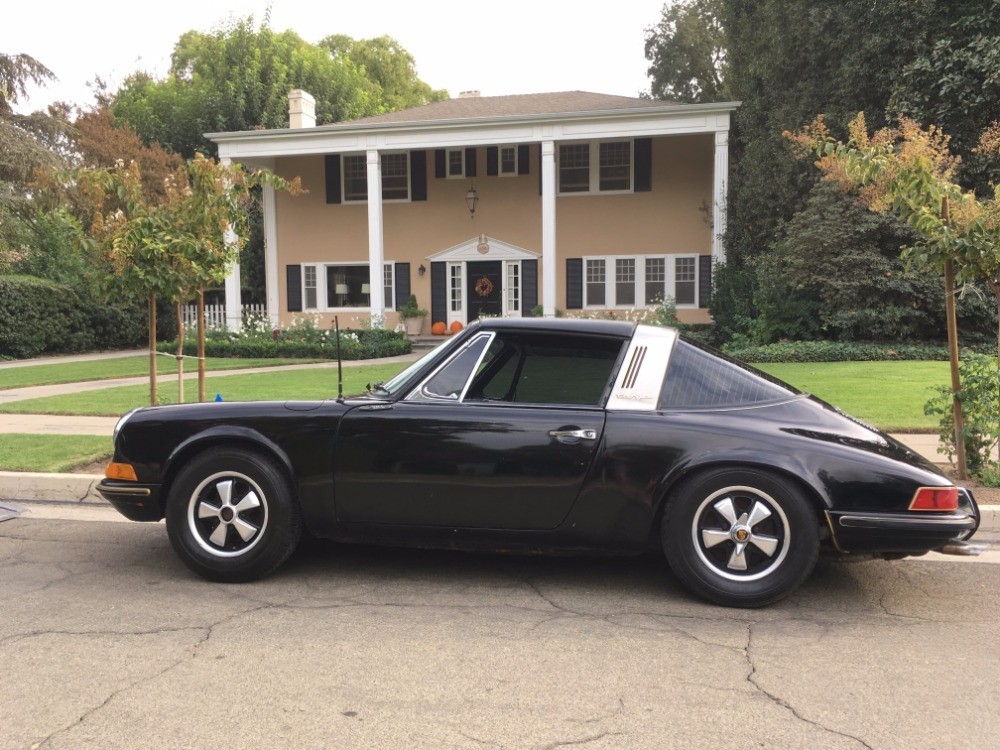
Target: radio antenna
x=340 y=372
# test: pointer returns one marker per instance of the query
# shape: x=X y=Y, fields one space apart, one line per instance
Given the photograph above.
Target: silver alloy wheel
x=741 y=533
x=227 y=514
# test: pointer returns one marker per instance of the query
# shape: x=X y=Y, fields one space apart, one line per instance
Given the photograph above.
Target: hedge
x=38 y=316
x=265 y=348
x=835 y=351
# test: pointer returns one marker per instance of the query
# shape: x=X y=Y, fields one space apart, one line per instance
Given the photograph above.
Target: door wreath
x=484 y=287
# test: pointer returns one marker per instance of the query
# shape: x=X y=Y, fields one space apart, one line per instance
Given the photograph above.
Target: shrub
x=834 y=351
x=39 y=316
x=980 y=397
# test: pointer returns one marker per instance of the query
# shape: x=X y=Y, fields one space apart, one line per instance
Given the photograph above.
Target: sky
x=501 y=47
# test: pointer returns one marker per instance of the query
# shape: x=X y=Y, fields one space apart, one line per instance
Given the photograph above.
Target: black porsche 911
x=540 y=435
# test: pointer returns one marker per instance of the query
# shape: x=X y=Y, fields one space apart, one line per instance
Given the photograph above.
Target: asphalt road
x=106 y=641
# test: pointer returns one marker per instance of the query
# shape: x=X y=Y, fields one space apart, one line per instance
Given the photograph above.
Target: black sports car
x=543 y=435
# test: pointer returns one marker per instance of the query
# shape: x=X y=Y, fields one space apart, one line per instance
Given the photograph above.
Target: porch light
x=422 y=270
x=471 y=199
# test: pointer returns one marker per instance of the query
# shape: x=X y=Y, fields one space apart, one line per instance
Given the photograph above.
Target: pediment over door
x=484 y=247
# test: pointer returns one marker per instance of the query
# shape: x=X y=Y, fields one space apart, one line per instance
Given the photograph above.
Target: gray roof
x=475 y=107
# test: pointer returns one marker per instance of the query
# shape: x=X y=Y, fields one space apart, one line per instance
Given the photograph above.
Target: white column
x=271 y=253
x=719 y=189
x=548 y=229
x=234 y=303
x=376 y=252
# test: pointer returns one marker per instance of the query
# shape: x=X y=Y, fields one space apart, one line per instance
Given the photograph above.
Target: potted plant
x=412 y=316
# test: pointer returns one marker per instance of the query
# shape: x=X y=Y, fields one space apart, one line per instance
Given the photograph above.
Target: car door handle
x=573 y=435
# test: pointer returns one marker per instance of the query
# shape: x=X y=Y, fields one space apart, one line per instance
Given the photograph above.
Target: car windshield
x=403 y=379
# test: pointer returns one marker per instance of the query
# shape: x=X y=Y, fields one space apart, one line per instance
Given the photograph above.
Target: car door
x=475 y=445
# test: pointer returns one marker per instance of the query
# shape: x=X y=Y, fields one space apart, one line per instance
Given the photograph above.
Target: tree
x=238 y=78
x=952 y=82
x=171 y=249
x=384 y=61
x=910 y=172
x=687 y=49
x=787 y=60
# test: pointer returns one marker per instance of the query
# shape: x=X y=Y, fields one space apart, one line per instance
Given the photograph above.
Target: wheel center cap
x=227 y=514
x=740 y=533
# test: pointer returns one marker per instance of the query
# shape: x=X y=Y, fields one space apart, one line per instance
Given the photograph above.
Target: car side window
x=448 y=382
x=547 y=369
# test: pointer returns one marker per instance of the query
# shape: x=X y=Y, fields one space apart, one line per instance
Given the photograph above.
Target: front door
x=484 y=288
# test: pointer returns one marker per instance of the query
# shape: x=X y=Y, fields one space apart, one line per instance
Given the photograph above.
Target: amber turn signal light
x=124 y=472
x=935 y=498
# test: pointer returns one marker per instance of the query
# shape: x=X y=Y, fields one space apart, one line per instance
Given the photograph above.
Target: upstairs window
x=456 y=162
x=598 y=167
x=395 y=177
x=508 y=160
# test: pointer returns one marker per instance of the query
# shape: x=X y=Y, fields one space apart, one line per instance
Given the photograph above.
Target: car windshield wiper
x=378 y=387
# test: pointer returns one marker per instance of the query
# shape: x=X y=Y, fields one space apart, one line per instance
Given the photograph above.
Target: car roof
x=621 y=328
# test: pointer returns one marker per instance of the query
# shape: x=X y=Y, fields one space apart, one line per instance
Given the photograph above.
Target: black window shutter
x=470 y=162
x=293 y=290
x=523 y=159
x=332 y=178
x=529 y=286
x=418 y=175
x=402 y=278
x=574 y=283
x=642 y=151
x=439 y=292
x=704 y=280
x=440 y=163
x=492 y=161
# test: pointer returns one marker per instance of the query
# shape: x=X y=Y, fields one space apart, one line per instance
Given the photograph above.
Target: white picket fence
x=215 y=315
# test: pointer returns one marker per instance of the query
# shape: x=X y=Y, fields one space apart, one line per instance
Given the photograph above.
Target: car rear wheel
x=231 y=515
x=740 y=537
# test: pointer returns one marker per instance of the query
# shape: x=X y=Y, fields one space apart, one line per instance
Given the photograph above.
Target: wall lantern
x=422 y=270
x=471 y=200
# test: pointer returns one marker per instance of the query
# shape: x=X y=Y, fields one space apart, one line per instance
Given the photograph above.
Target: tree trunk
x=201 y=345
x=180 y=354
x=956 y=404
x=152 y=350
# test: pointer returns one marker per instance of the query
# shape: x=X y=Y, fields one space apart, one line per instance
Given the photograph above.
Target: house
x=498 y=205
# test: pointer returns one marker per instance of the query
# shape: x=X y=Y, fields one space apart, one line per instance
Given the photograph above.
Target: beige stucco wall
x=669 y=219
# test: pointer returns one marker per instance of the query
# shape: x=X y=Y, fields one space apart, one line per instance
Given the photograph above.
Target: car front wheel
x=231 y=515
x=740 y=537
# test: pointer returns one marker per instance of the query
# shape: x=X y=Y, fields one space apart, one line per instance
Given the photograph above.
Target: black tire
x=740 y=537
x=232 y=516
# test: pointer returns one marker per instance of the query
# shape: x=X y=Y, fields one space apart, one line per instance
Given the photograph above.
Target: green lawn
x=52 y=453
x=889 y=395
x=295 y=385
x=124 y=367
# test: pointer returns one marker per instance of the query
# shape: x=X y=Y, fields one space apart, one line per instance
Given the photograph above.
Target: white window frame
x=456 y=270
x=595 y=168
x=670 y=263
x=315 y=287
x=447 y=164
x=500 y=171
x=321 y=287
x=364 y=201
x=509 y=311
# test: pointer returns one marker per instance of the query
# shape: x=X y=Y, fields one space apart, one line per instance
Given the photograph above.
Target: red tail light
x=935 y=498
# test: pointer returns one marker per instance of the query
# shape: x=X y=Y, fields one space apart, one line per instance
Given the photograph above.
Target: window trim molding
x=321 y=287
x=344 y=200
x=500 y=148
x=595 y=168
x=447 y=164
x=641 y=302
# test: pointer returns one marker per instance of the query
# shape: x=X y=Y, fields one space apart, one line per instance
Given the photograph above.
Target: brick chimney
x=301 y=109
x=468 y=94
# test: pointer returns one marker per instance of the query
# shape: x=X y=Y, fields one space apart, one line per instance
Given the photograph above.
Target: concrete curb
x=63 y=488
x=79 y=488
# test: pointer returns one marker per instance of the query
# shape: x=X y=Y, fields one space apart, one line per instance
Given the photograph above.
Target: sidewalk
x=64 y=358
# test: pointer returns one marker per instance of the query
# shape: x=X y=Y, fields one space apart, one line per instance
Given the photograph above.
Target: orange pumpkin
x=439 y=329
x=456 y=327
